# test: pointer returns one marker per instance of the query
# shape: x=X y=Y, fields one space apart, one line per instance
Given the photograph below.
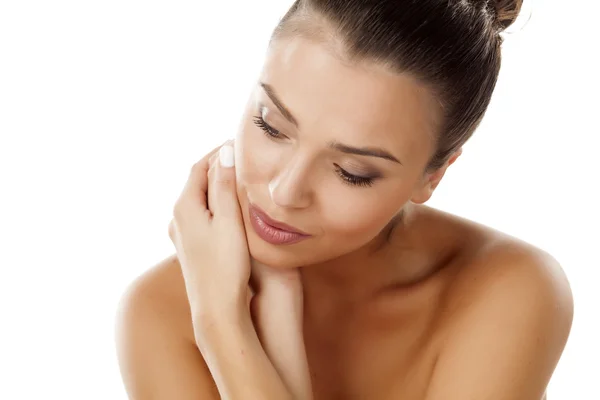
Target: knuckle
x=172 y=230
x=225 y=181
x=177 y=212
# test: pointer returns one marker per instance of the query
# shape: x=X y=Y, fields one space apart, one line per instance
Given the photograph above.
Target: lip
x=274 y=223
x=273 y=231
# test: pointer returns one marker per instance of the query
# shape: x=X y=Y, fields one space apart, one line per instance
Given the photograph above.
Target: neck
x=398 y=257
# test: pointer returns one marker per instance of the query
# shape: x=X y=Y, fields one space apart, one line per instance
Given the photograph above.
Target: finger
x=214 y=156
x=194 y=191
x=211 y=171
x=222 y=189
x=211 y=162
x=172 y=231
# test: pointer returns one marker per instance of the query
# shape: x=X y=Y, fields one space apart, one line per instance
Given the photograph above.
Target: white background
x=104 y=106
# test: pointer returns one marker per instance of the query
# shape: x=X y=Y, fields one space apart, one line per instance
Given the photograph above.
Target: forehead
x=360 y=102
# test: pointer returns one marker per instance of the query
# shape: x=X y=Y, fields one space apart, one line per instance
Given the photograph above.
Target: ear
x=430 y=181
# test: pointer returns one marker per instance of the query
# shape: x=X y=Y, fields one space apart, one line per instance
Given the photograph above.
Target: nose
x=289 y=188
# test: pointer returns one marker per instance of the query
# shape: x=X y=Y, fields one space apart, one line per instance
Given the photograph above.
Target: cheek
x=257 y=157
x=249 y=163
x=358 y=218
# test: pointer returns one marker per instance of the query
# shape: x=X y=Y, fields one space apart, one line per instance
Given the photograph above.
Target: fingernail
x=226 y=156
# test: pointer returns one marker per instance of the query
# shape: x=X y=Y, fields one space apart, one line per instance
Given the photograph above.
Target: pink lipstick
x=273 y=231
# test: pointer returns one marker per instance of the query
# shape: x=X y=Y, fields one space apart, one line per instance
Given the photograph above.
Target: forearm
x=237 y=362
x=279 y=323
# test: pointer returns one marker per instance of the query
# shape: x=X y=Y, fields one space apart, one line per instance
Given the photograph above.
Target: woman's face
x=331 y=149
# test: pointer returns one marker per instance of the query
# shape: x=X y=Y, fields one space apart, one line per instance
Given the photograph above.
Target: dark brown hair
x=452 y=46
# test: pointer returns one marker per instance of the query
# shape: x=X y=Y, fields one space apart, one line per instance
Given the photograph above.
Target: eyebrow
x=364 y=151
x=278 y=103
x=361 y=151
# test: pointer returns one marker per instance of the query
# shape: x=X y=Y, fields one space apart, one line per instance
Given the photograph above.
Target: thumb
x=225 y=201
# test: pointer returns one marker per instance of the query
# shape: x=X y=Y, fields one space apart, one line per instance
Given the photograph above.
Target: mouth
x=273 y=231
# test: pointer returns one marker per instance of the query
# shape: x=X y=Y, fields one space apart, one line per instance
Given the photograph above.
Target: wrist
x=208 y=300
x=273 y=298
x=215 y=321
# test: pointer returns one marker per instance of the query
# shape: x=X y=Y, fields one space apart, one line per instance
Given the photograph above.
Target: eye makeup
x=346 y=177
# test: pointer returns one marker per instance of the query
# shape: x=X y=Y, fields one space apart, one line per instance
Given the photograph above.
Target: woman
x=307 y=265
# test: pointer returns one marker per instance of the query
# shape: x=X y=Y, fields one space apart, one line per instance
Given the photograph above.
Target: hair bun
x=507 y=12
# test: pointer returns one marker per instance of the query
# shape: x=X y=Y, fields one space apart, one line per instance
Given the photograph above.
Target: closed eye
x=345 y=176
x=266 y=128
x=353 y=180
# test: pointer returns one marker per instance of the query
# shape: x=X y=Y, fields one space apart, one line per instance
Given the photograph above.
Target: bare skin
x=446 y=310
x=381 y=345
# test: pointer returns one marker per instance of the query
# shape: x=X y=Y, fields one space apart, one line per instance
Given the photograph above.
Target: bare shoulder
x=162 y=287
x=157 y=354
x=496 y=264
x=507 y=314
x=507 y=269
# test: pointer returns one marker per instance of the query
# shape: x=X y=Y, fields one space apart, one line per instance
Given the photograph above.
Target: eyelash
x=347 y=178
x=266 y=128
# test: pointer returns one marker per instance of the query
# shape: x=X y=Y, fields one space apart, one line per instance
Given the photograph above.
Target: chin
x=281 y=257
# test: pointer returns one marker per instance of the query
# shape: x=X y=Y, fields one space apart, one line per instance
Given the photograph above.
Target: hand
x=208 y=234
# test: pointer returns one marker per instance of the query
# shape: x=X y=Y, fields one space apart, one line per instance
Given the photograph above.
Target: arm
x=277 y=313
x=159 y=361
x=208 y=233
x=158 y=358
x=236 y=359
x=508 y=337
x=156 y=349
